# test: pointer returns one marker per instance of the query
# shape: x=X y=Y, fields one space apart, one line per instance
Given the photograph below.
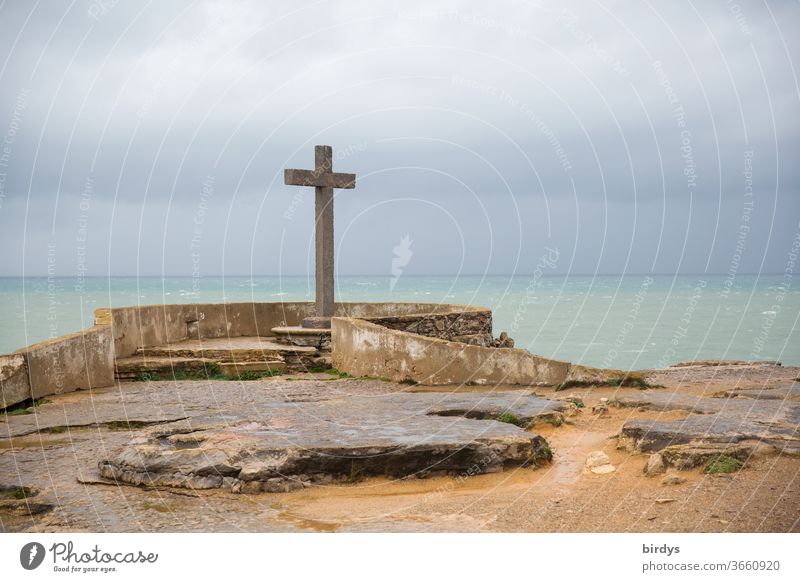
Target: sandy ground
x=562 y=496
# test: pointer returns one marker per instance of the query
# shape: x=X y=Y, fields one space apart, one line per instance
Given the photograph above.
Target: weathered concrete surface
x=277 y=447
x=84 y=359
x=156 y=325
x=720 y=421
x=363 y=348
x=14 y=387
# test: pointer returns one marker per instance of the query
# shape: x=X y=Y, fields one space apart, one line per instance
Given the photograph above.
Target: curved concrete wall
x=85 y=359
x=364 y=348
x=155 y=325
x=395 y=340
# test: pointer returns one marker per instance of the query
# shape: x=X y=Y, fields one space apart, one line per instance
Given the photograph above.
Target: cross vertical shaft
x=323 y=205
x=324 y=180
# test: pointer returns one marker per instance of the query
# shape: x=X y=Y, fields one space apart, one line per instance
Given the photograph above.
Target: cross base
x=316 y=322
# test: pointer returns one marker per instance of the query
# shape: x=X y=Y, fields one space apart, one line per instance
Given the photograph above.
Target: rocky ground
x=739 y=422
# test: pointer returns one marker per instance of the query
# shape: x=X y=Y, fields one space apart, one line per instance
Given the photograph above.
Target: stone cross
x=324 y=180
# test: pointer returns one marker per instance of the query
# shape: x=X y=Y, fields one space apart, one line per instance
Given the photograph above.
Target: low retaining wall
x=158 y=325
x=395 y=340
x=364 y=348
x=85 y=359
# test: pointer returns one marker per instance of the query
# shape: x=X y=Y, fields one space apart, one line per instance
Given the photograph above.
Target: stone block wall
x=453 y=326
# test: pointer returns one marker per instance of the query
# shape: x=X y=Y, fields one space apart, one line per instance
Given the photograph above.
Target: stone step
x=250 y=354
x=241 y=349
x=243 y=369
x=136 y=366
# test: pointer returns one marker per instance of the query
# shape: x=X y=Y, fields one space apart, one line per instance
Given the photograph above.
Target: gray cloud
x=618 y=133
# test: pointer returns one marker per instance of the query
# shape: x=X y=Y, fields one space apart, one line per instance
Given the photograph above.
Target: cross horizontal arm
x=321 y=180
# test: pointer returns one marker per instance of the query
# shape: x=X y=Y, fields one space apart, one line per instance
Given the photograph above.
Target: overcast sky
x=633 y=137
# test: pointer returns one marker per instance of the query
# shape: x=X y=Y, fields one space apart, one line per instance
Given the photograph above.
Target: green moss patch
x=25 y=407
x=510 y=418
x=211 y=371
x=320 y=370
x=253 y=375
x=630 y=380
x=723 y=464
x=542 y=453
x=126 y=424
x=16 y=492
x=335 y=372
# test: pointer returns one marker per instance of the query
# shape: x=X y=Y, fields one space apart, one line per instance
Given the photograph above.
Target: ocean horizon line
x=410 y=276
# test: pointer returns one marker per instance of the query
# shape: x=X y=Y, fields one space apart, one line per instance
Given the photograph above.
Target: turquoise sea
x=630 y=322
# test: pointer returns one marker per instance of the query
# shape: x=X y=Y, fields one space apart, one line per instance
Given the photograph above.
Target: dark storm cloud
x=618 y=133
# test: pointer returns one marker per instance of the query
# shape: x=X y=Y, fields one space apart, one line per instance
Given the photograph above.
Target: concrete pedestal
x=317 y=322
x=295 y=335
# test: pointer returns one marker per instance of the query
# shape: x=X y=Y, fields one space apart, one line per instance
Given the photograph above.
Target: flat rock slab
x=712 y=363
x=774 y=421
x=169 y=400
x=278 y=446
x=778 y=392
